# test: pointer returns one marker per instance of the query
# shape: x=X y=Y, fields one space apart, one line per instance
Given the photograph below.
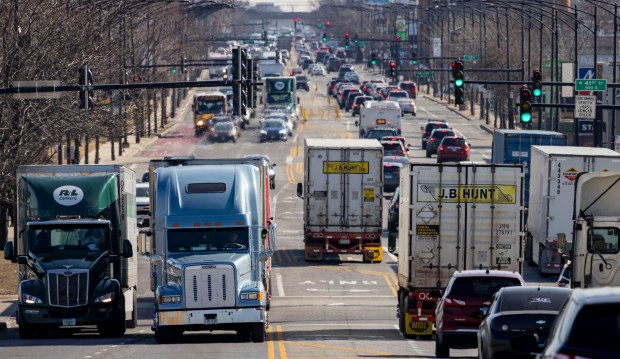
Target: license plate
x=454 y=148
x=344 y=241
x=68 y=322
x=210 y=321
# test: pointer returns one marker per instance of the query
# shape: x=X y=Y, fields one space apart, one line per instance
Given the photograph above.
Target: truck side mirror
x=298 y=100
x=300 y=190
x=8 y=251
x=127 y=249
x=562 y=243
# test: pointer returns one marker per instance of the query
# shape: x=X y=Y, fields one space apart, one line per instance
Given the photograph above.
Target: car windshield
x=223 y=126
x=279 y=98
x=398 y=94
x=392 y=149
x=441 y=134
x=207 y=240
x=484 y=287
x=380 y=133
x=142 y=191
x=205 y=105
x=302 y=79
x=407 y=86
x=273 y=124
x=539 y=300
x=604 y=319
x=433 y=125
x=449 y=141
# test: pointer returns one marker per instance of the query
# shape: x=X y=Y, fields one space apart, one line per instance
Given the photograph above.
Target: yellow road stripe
x=299 y=168
x=281 y=342
x=389 y=283
x=271 y=354
x=345 y=349
x=395 y=279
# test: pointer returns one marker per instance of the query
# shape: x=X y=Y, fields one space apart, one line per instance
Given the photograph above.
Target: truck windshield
x=279 y=98
x=207 y=240
x=46 y=240
x=206 y=105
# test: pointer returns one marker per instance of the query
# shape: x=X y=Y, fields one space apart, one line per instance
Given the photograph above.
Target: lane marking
x=342 y=349
x=389 y=283
x=270 y=347
x=279 y=284
x=281 y=348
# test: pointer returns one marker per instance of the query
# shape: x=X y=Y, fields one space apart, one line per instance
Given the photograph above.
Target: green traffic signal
x=526 y=117
x=458 y=82
x=174 y=71
x=537 y=93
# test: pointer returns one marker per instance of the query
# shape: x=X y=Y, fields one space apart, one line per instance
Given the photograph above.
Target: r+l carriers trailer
x=453 y=217
x=77 y=230
x=553 y=172
x=213 y=238
x=342 y=194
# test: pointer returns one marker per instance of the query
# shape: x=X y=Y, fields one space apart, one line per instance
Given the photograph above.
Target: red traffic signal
x=346 y=34
x=327 y=23
x=136 y=79
x=397 y=38
x=392 y=64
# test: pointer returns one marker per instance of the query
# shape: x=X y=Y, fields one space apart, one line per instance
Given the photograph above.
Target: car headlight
x=31 y=299
x=283 y=132
x=251 y=296
x=263 y=132
x=168 y=299
x=106 y=298
x=200 y=123
x=231 y=133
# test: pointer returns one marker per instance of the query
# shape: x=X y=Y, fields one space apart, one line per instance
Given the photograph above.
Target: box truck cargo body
x=515 y=146
x=552 y=177
x=454 y=217
x=342 y=193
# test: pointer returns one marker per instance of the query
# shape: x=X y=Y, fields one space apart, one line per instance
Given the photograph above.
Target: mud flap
x=414 y=328
x=311 y=255
x=374 y=257
x=392 y=241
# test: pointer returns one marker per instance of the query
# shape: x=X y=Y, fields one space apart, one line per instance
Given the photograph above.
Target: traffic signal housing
x=324 y=37
x=537 y=83
x=414 y=58
x=459 y=80
x=346 y=40
x=373 y=59
x=85 y=80
x=392 y=69
x=525 y=106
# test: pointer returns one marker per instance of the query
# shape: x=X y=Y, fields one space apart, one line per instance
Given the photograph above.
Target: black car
x=391 y=176
x=519 y=320
x=435 y=139
x=345 y=96
x=428 y=128
x=302 y=82
x=348 y=103
x=273 y=130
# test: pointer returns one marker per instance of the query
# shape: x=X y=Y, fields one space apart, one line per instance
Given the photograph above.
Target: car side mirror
x=422 y=128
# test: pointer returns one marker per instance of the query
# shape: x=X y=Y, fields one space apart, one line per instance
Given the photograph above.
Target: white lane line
x=279 y=284
x=417 y=350
x=428 y=112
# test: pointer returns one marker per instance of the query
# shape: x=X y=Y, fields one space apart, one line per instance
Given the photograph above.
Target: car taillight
x=431 y=139
x=424 y=133
x=466 y=149
x=441 y=148
x=354 y=105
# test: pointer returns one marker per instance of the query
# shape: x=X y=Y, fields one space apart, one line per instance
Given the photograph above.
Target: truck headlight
x=263 y=132
x=168 y=299
x=251 y=296
x=283 y=132
x=106 y=298
x=200 y=123
x=30 y=299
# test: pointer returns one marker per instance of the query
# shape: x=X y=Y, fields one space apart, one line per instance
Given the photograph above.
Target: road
x=339 y=308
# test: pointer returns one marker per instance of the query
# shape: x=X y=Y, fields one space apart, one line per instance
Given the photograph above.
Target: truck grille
x=68 y=288
x=210 y=286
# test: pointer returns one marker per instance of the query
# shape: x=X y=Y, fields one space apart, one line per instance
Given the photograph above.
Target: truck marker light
x=197 y=224
x=218 y=223
x=239 y=223
x=207 y=224
x=176 y=225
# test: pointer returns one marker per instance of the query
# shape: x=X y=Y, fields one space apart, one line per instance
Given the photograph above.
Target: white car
x=407 y=105
x=317 y=70
x=142 y=202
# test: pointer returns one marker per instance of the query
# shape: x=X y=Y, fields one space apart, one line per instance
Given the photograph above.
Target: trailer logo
x=570 y=174
x=452 y=193
x=68 y=195
x=279 y=85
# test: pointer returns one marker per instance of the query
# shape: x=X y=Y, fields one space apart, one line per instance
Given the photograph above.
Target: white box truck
x=342 y=193
x=454 y=217
x=379 y=115
x=553 y=171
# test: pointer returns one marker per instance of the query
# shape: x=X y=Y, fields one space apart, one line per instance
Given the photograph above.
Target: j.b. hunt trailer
x=453 y=217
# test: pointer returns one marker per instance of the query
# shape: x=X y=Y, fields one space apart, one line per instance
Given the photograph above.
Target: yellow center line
x=271 y=354
x=389 y=283
x=281 y=342
x=344 y=349
x=395 y=280
x=299 y=168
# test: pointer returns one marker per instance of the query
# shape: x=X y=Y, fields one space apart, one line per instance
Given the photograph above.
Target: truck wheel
x=529 y=253
x=401 y=312
x=26 y=331
x=441 y=349
x=310 y=255
x=167 y=335
x=133 y=321
x=258 y=332
x=244 y=334
x=423 y=145
x=428 y=153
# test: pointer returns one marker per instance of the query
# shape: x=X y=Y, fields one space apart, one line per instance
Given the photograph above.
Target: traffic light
x=459 y=80
x=236 y=78
x=183 y=64
x=327 y=23
x=251 y=90
x=414 y=58
x=136 y=78
x=346 y=40
x=397 y=37
x=392 y=69
x=525 y=105
x=537 y=83
x=355 y=39
x=265 y=34
x=373 y=59
x=85 y=81
x=324 y=37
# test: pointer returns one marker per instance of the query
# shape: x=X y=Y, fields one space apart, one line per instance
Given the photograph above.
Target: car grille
x=68 y=288
x=210 y=286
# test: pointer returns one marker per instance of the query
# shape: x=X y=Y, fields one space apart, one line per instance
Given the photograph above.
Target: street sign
x=585 y=107
x=363 y=43
x=36 y=95
x=471 y=58
x=424 y=73
x=590 y=85
x=248 y=42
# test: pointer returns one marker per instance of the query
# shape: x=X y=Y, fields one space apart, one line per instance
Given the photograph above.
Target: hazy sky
x=287 y=5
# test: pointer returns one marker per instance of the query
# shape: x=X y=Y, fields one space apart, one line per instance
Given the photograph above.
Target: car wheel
x=423 y=145
x=428 y=153
x=441 y=349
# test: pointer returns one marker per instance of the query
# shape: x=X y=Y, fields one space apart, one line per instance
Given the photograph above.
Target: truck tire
x=133 y=321
x=26 y=331
x=401 y=312
x=423 y=145
x=244 y=333
x=428 y=153
x=528 y=250
x=441 y=349
x=116 y=326
x=167 y=335
x=259 y=332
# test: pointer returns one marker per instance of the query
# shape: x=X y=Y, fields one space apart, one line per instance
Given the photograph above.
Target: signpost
x=590 y=85
x=585 y=107
x=471 y=58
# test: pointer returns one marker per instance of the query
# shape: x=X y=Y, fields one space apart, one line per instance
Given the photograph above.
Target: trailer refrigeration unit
x=77 y=230
x=212 y=239
x=552 y=191
x=453 y=217
x=342 y=194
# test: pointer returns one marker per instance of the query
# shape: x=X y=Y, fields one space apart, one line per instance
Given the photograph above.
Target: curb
x=484 y=127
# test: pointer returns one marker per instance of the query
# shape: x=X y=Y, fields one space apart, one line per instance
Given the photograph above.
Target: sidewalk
x=8 y=303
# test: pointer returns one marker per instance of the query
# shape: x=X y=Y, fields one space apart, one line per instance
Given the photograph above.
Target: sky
x=287 y=5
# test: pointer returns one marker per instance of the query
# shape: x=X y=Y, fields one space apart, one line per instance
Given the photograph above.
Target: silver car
x=407 y=105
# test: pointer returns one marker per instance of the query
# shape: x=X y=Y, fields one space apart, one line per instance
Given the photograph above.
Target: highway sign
x=36 y=95
x=471 y=58
x=590 y=85
x=424 y=73
x=585 y=107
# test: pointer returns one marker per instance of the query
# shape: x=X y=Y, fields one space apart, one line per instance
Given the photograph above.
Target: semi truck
x=281 y=92
x=342 y=193
x=453 y=217
x=379 y=115
x=596 y=233
x=212 y=237
x=553 y=171
x=515 y=146
x=77 y=230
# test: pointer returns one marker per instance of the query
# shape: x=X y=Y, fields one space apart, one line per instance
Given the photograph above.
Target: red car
x=410 y=87
x=453 y=148
x=296 y=71
x=465 y=302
